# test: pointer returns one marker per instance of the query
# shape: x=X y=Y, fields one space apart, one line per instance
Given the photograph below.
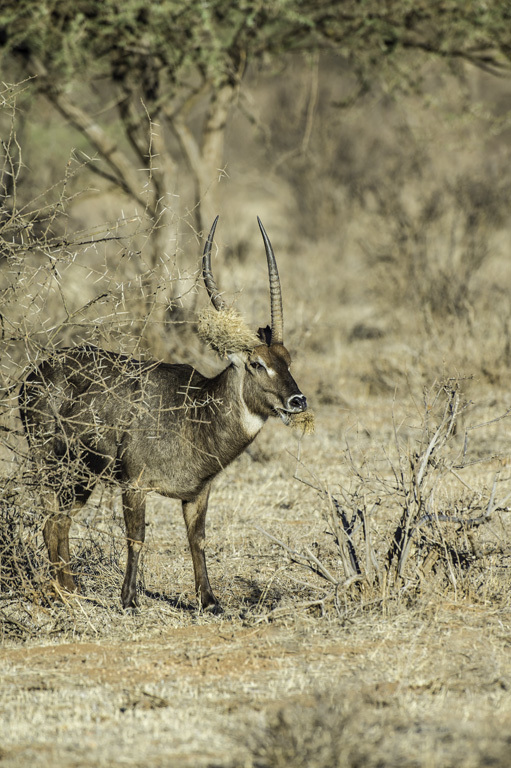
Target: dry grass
x=286 y=676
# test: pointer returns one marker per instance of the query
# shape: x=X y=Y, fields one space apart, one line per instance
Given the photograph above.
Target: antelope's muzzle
x=297 y=403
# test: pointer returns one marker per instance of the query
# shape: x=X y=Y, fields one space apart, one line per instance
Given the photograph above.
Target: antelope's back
x=91 y=396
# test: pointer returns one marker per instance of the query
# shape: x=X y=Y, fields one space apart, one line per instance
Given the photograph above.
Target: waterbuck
x=90 y=414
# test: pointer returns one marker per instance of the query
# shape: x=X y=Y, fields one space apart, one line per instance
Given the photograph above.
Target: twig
x=311 y=561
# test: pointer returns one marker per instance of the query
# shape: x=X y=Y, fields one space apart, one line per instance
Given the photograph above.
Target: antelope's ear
x=238 y=359
x=265 y=335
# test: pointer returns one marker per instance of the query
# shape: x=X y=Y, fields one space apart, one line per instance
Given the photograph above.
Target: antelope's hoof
x=63 y=589
x=130 y=605
x=214 y=609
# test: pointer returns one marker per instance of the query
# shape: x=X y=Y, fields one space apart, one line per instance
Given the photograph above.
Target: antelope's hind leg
x=195 y=518
x=56 y=538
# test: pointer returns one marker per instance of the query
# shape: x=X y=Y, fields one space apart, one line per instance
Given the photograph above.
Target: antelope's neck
x=235 y=408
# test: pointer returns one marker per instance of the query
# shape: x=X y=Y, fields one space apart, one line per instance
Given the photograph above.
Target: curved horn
x=277 y=317
x=209 y=280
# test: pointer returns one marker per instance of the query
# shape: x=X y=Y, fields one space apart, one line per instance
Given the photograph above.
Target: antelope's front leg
x=134 y=517
x=195 y=518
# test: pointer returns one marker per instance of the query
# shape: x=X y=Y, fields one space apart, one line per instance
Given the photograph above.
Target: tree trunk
x=205 y=160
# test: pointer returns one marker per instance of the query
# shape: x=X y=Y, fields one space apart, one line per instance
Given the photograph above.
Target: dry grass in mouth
x=304 y=421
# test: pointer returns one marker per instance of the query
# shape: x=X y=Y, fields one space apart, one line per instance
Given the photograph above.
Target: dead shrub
x=309 y=736
x=432 y=255
x=359 y=729
x=397 y=533
x=22 y=560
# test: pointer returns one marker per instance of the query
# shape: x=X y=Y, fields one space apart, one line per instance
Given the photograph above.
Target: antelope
x=90 y=414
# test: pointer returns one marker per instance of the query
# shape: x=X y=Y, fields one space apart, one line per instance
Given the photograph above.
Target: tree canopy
x=168 y=39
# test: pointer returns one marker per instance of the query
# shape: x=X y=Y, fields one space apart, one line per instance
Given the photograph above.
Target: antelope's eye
x=256 y=366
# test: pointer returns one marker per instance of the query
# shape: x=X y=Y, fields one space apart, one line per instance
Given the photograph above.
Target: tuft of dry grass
x=304 y=421
x=226 y=331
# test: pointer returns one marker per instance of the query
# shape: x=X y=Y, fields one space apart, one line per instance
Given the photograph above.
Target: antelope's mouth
x=295 y=405
x=284 y=415
x=287 y=416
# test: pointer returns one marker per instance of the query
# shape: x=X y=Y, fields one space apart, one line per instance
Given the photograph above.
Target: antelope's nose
x=297 y=403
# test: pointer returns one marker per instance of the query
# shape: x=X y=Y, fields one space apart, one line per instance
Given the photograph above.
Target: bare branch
x=124 y=175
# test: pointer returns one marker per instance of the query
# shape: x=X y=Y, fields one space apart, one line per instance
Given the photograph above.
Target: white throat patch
x=252 y=423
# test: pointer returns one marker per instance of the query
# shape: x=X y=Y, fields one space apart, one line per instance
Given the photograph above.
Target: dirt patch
x=190 y=652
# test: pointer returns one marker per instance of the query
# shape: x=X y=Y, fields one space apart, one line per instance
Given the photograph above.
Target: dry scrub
x=398 y=531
